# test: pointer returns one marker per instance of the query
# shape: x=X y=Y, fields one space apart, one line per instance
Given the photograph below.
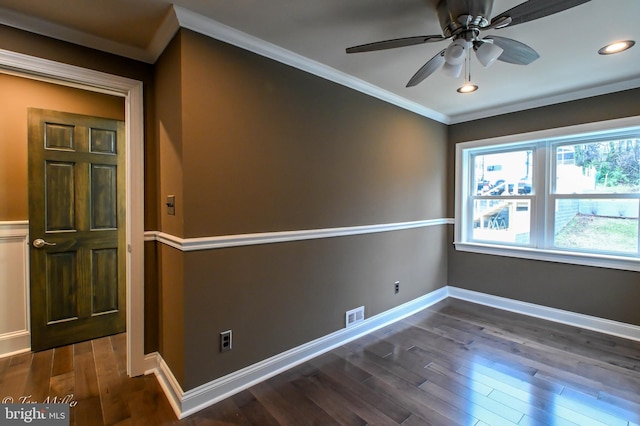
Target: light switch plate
x=171 y=205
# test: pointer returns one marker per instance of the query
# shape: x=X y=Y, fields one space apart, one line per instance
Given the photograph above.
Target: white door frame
x=131 y=90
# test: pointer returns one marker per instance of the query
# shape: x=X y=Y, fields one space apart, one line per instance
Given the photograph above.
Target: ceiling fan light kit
x=462 y=21
x=488 y=53
x=452 y=70
x=456 y=52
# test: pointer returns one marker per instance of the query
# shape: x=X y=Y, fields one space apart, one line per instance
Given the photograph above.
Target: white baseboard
x=614 y=328
x=154 y=363
x=191 y=401
x=15 y=343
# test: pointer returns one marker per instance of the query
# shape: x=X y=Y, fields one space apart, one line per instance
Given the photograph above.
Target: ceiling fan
x=462 y=21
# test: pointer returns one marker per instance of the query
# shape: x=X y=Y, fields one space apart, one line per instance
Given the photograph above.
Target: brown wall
x=278 y=296
x=168 y=79
x=170 y=261
x=604 y=293
x=271 y=148
x=278 y=149
x=18 y=95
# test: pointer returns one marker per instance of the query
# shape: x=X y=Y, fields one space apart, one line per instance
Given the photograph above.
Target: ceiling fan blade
x=535 y=9
x=427 y=69
x=396 y=42
x=515 y=52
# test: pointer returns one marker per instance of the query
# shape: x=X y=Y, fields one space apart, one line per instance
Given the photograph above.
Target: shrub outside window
x=569 y=195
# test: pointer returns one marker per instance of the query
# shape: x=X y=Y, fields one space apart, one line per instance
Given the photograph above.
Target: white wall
x=14 y=288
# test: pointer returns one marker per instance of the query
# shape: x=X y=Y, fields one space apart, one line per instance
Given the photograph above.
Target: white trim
x=15 y=343
x=554 y=133
x=214 y=29
x=163 y=36
x=168 y=382
x=547 y=100
x=155 y=364
x=584 y=259
x=462 y=238
x=134 y=122
x=131 y=90
x=191 y=401
x=224 y=241
x=18 y=341
x=49 y=29
x=179 y=16
x=16 y=228
x=601 y=325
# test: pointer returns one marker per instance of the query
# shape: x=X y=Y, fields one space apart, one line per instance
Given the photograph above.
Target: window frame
x=543 y=197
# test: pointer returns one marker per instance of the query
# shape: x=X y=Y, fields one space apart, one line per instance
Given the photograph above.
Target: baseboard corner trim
x=203 y=396
x=588 y=322
x=155 y=364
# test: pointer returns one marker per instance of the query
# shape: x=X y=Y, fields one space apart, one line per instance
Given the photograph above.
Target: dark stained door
x=76 y=227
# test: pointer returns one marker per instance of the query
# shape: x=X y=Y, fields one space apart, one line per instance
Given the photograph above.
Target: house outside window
x=567 y=195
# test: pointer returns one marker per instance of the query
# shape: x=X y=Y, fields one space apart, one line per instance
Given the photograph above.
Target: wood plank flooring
x=456 y=363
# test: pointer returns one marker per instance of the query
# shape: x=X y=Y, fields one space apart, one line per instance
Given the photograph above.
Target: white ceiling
x=312 y=35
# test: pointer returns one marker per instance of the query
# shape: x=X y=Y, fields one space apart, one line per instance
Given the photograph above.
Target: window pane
x=598 y=167
x=596 y=224
x=506 y=221
x=503 y=173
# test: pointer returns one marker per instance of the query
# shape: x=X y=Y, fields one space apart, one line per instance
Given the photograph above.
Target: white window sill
x=586 y=259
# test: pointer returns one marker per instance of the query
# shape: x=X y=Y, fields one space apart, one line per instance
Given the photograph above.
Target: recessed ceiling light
x=616 y=47
x=468 y=88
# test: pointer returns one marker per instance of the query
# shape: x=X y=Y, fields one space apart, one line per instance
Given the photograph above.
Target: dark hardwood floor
x=455 y=363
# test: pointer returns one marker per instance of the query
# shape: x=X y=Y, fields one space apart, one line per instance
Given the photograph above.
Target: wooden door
x=76 y=227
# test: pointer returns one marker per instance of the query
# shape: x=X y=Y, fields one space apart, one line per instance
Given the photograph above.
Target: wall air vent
x=354 y=316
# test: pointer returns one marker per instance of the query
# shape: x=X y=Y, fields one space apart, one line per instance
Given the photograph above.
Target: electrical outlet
x=225 y=341
x=396 y=287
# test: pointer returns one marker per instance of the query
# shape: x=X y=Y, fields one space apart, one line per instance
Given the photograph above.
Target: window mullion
x=539 y=217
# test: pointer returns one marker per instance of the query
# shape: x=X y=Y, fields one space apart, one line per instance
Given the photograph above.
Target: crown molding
x=214 y=29
x=49 y=29
x=575 y=95
x=180 y=17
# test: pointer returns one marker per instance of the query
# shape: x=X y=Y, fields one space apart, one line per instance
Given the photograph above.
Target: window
x=569 y=195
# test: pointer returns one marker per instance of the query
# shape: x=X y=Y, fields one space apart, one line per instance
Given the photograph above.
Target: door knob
x=39 y=243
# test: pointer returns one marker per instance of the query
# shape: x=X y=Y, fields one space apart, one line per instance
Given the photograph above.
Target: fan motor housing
x=458 y=15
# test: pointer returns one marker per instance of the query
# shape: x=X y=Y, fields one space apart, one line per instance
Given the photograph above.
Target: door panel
x=104 y=265
x=103 y=141
x=58 y=136
x=76 y=204
x=104 y=213
x=60 y=198
x=61 y=287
